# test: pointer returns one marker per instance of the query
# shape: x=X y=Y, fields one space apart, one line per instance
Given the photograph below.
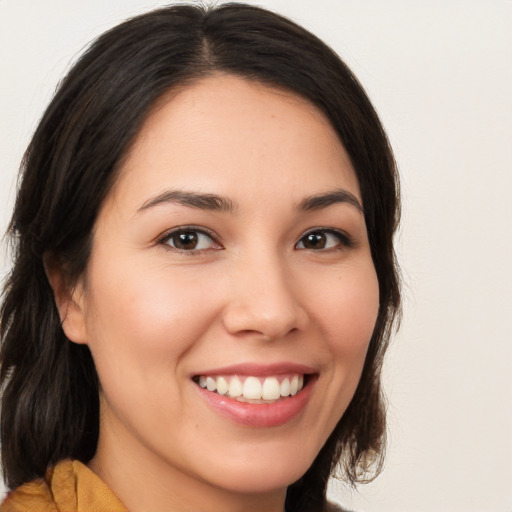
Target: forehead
x=228 y=135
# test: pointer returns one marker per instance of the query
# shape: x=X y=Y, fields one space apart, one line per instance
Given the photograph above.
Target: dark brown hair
x=50 y=387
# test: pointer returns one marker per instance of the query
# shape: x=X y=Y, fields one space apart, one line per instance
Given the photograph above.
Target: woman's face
x=232 y=253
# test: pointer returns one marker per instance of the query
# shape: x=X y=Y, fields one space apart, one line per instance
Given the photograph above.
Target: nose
x=264 y=300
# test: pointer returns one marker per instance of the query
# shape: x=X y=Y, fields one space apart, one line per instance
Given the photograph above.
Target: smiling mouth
x=252 y=389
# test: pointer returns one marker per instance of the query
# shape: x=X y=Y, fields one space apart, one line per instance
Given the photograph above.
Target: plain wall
x=440 y=74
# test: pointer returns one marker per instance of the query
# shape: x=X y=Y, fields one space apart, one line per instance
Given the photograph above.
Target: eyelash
x=345 y=241
x=166 y=237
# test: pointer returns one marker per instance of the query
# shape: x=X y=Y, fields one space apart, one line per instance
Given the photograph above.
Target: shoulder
x=44 y=494
x=32 y=496
x=65 y=486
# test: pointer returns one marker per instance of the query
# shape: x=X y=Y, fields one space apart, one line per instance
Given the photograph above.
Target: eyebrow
x=323 y=200
x=214 y=202
x=191 y=199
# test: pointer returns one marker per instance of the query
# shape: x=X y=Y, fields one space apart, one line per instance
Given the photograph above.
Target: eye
x=324 y=239
x=189 y=240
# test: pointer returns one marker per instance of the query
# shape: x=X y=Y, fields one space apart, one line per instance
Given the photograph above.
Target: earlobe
x=69 y=301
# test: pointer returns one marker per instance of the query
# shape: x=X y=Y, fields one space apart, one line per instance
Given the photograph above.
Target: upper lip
x=259 y=370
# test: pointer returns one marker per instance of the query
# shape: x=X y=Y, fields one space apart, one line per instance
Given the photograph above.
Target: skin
x=154 y=316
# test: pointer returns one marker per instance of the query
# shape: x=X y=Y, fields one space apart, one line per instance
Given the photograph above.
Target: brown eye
x=316 y=240
x=185 y=241
x=322 y=239
x=189 y=240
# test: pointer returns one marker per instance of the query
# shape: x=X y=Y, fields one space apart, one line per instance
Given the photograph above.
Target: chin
x=264 y=473
x=262 y=482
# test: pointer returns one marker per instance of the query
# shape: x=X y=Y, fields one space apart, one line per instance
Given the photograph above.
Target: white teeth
x=271 y=389
x=222 y=386
x=211 y=384
x=294 y=384
x=253 y=388
x=285 y=387
x=235 y=388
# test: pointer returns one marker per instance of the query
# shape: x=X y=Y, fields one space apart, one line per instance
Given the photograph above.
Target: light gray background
x=440 y=75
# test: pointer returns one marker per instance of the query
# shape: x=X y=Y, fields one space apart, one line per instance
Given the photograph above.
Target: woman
x=204 y=278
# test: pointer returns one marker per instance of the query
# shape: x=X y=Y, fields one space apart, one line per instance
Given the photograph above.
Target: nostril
x=266 y=308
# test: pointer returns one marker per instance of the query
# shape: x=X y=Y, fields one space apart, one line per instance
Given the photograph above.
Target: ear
x=69 y=300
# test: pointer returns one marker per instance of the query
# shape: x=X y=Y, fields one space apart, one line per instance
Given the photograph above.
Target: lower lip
x=259 y=415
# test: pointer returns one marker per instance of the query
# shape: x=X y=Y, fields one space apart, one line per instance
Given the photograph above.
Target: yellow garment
x=70 y=486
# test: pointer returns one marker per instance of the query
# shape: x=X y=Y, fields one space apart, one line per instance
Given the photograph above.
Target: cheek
x=349 y=311
x=144 y=319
